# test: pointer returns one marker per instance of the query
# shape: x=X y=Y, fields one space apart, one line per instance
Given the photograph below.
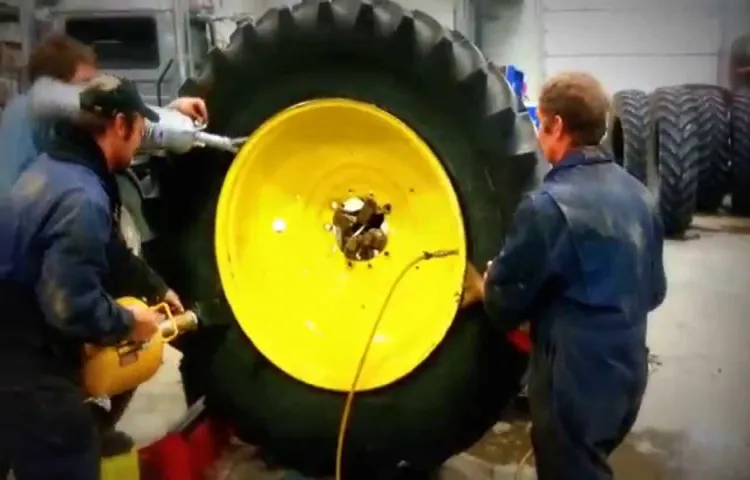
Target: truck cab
x=156 y=43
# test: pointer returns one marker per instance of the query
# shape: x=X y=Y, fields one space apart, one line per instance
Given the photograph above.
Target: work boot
x=114 y=442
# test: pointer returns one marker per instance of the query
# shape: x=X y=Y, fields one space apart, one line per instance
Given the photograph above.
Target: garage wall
x=443 y=10
x=631 y=45
x=512 y=33
x=626 y=43
x=737 y=23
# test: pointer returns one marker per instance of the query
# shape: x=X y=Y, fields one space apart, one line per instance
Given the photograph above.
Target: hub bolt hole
x=360 y=226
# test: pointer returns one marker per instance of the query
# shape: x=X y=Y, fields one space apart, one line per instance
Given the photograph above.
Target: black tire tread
x=676 y=112
x=740 y=118
x=628 y=131
x=294 y=422
x=714 y=135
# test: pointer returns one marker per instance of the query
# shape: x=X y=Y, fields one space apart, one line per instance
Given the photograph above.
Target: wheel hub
x=360 y=227
x=319 y=191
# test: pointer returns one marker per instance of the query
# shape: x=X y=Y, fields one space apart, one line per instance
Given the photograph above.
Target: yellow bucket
x=121 y=467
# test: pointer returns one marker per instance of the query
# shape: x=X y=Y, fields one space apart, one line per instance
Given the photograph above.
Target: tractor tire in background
x=628 y=132
x=740 y=118
x=739 y=62
x=437 y=83
x=675 y=149
x=132 y=224
x=714 y=179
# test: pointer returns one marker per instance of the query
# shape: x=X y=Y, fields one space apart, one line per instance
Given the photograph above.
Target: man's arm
x=17 y=140
x=528 y=260
x=659 y=277
x=130 y=275
x=69 y=289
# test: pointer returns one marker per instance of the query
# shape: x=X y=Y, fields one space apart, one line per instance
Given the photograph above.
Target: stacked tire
x=689 y=144
x=740 y=166
x=628 y=132
x=715 y=155
x=675 y=152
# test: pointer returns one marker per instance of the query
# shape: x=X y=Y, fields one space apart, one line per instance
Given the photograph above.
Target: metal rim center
x=360 y=226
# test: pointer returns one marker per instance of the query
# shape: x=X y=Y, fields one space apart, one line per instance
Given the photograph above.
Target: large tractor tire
x=628 y=132
x=132 y=224
x=346 y=99
x=676 y=150
x=713 y=133
x=740 y=115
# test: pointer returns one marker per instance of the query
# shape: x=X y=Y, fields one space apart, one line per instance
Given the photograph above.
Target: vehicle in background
x=11 y=60
x=156 y=43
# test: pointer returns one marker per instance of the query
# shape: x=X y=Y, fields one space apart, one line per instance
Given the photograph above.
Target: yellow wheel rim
x=308 y=307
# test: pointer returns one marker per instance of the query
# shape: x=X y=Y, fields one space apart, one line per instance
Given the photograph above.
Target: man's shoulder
x=19 y=104
x=542 y=202
x=624 y=190
x=540 y=208
x=14 y=119
x=59 y=181
x=67 y=171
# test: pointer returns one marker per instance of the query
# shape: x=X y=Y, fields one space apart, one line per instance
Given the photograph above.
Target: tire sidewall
x=454 y=374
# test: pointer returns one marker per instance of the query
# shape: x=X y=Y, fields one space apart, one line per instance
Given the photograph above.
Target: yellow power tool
x=109 y=371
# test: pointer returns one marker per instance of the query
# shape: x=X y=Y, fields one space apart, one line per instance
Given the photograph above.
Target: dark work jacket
x=583 y=264
x=60 y=255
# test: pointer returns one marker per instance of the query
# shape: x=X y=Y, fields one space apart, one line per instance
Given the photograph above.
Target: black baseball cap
x=107 y=95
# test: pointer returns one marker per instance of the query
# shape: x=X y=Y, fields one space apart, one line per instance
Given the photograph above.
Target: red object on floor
x=184 y=456
x=520 y=340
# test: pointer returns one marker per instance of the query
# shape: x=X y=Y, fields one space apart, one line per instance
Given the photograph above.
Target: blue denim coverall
x=583 y=264
x=61 y=256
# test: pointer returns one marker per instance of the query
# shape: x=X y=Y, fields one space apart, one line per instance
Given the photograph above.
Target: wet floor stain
x=695 y=420
x=505 y=444
x=647 y=454
x=654 y=362
x=643 y=456
x=721 y=224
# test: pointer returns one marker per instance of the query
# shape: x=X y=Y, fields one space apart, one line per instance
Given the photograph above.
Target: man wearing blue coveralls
x=583 y=264
x=24 y=137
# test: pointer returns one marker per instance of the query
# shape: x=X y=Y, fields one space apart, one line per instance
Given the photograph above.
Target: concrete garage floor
x=695 y=420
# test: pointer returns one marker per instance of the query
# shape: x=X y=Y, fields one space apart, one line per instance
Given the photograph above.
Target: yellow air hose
x=352 y=392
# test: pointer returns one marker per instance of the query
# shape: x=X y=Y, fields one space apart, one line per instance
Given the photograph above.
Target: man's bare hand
x=173 y=302
x=473 y=287
x=145 y=324
x=193 y=107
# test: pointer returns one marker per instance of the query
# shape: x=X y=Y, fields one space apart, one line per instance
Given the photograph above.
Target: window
x=119 y=42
